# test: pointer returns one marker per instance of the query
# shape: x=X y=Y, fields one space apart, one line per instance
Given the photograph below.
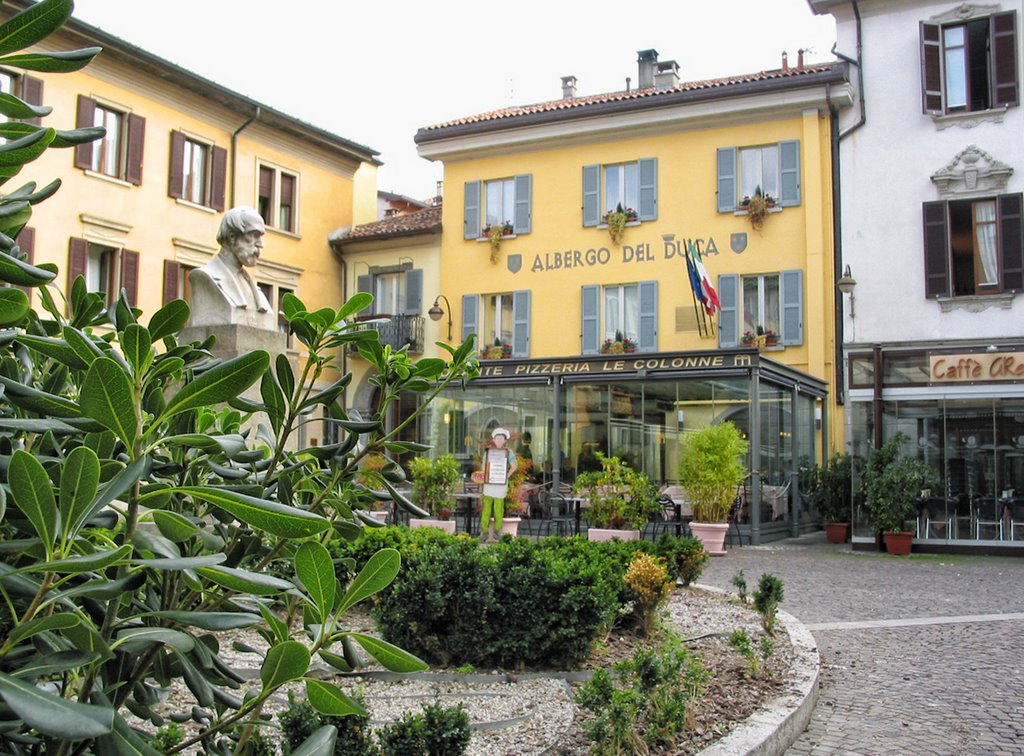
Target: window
x=389 y=292
x=629 y=309
x=119 y=153
x=969 y=65
x=105 y=269
x=26 y=88
x=277 y=198
x=633 y=186
x=772 y=168
x=396 y=290
x=973 y=246
x=773 y=301
x=498 y=201
x=176 y=284
x=198 y=171
x=504 y=317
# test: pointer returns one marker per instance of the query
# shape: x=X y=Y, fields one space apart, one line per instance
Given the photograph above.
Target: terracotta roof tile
x=634 y=94
x=423 y=221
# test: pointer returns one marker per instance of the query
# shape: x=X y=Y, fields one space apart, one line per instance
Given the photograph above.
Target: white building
x=928 y=215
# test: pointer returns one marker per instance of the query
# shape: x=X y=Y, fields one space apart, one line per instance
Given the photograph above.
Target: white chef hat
x=501 y=432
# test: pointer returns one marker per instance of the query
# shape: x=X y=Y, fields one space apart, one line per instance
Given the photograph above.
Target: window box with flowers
x=497 y=351
x=756 y=208
x=761 y=338
x=616 y=220
x=495 y=233
x=619 y=345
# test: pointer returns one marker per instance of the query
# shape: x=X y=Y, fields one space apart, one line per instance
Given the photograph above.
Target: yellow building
x=141 y=207
x=596 y=343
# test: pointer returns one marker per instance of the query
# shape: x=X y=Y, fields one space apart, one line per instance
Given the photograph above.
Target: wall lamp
x=436 y=313
x=846 y=284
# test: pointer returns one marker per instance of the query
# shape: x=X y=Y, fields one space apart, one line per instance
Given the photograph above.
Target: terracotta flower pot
x=898 y=543
x=837 y=532
x=712 y=535
x=607 y=534
x=448 y=526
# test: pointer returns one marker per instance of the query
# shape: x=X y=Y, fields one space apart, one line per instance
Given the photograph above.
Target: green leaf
x=169 y=319
x=58 y=349
x=219 y=384
x=376 y=575
x=79 y=481
x=64 y=61
x=38 y=401
x=390 y=656
x=182 y=563
x=61 y=621
x=58 y=663
x=86 y=349
x=243 y=581
x=336 y=660
x=320 y=743
x=123 y=741
x=285 y=662
x=107 y=398
x=229 y=444
x=273 y=400
x=276 y=625
x=330 y=700
x=13 y=305
x=138 y=638
x=174 y=526
x=55 y=716
x=33 y=24
x=279 y=519
x=30 y=146
x=98 y=560
x=315 y=570
x=215 y=621
x=285 y=376
x=29 y=195
x=33 y=495
x=20 y=273
x=118 y=485
x=357 y=303
x=137 y=347
x=75 y=137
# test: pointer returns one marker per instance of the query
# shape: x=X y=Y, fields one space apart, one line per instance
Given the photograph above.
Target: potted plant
x=433 y=483
x=826 y=489
x=711 y=468
x=515 y=498
x=892 y=487
x=757 y=208
x=619 y=500
x=494 y=233
x=499 y=350
x=748 y=338
x=619 y=345
x=770 y=337
x=616 y=221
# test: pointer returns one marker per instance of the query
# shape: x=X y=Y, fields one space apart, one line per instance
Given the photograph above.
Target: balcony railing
x=397 y=332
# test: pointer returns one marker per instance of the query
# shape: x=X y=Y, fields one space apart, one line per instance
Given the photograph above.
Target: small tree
x=433 y=483
x=893 y=483
x=619 y=496
x=711 y=468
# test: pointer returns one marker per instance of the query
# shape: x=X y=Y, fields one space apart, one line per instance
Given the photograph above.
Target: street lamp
x=846 y=285
x=436 y=313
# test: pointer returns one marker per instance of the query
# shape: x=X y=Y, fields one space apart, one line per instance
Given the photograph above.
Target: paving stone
x=953 y=687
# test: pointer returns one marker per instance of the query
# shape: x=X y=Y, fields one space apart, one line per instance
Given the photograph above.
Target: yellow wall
x=796 y=237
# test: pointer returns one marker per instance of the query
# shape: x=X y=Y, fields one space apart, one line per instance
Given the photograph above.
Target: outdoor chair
x=1016 y=516
x=988 y=513
x=939 y=520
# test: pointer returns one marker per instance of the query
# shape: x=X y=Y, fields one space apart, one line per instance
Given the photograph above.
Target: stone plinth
x=235 y=340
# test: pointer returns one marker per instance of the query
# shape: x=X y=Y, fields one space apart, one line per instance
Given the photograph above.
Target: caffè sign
x=976 y=368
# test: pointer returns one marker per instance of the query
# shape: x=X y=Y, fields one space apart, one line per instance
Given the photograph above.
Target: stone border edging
x=775 y=726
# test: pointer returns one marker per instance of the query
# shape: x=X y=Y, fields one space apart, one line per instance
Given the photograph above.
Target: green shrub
x=739 y=581
x=643 y=705
x=167 y=737
x=648 y=579
x=300 y=720
x=685 y=557
x=438 y=731
x=767 y=598
x=712 y=464
x=618 y=496
x=433 y=483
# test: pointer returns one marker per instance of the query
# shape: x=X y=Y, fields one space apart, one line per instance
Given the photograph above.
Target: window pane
x=612 y=187
x=956 y=67
x=631 y=311
x=195 y=172
x=495 y=204
x=750 y=171
x=508 y=201
x=770 y=171
x=612 y=313
x=770 y=319
x=505 y=319
x=266 y=194
x=106 y=152
x=750 y=305
x=286 y=215
x=632 y=185
x=390 y=293
x=985 y=240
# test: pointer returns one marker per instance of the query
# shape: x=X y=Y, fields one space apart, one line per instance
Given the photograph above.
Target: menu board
x=497 y=466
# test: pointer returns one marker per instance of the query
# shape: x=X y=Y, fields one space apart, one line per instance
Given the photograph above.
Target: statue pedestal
x=234 y=340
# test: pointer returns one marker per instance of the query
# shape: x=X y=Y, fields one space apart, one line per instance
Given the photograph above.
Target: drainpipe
x=234 y=143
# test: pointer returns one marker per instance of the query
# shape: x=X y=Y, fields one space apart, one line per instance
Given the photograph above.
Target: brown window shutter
x=176 y=172
x=931 y=69
x=130 y=275
x=218 y=178
x=287 y=190
x=78 y=261
x=172 y=274
x=26 y=239
x=936 y=250
x=1003 y=36
x=32 y=93
x=266 y=182
x=136 y=142
x=85 y=117
x=1011 y=241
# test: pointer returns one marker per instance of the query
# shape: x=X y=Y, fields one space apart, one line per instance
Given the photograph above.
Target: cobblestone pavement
x=929 y=655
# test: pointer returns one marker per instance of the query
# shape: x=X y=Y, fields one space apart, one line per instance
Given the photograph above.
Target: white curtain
x=985 y=239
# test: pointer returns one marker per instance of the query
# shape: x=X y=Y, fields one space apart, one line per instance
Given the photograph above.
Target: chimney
x=800 y=58
x=785 y=61
x=648 y=61
x=667 y=76
x=568 y=87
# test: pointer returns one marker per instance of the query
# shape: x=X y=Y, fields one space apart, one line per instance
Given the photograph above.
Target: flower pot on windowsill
x=448 y=526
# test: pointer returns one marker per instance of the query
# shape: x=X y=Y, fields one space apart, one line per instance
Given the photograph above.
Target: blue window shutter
x=471 y=211
x=521 y=323
x=789 y=173
x=414 y=291
x=523 y=220
x=648 y=171
x=591 y=195
x=726 y=179
x=792 y=286
x=364 y=284
x=648 y=316
x=729 y=316
x=470 y=309
x=590 y=318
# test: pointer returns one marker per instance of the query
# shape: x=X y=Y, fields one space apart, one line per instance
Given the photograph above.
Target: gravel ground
x=534 y=713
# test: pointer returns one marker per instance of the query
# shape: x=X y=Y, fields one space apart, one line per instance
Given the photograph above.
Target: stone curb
x=773 y=728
